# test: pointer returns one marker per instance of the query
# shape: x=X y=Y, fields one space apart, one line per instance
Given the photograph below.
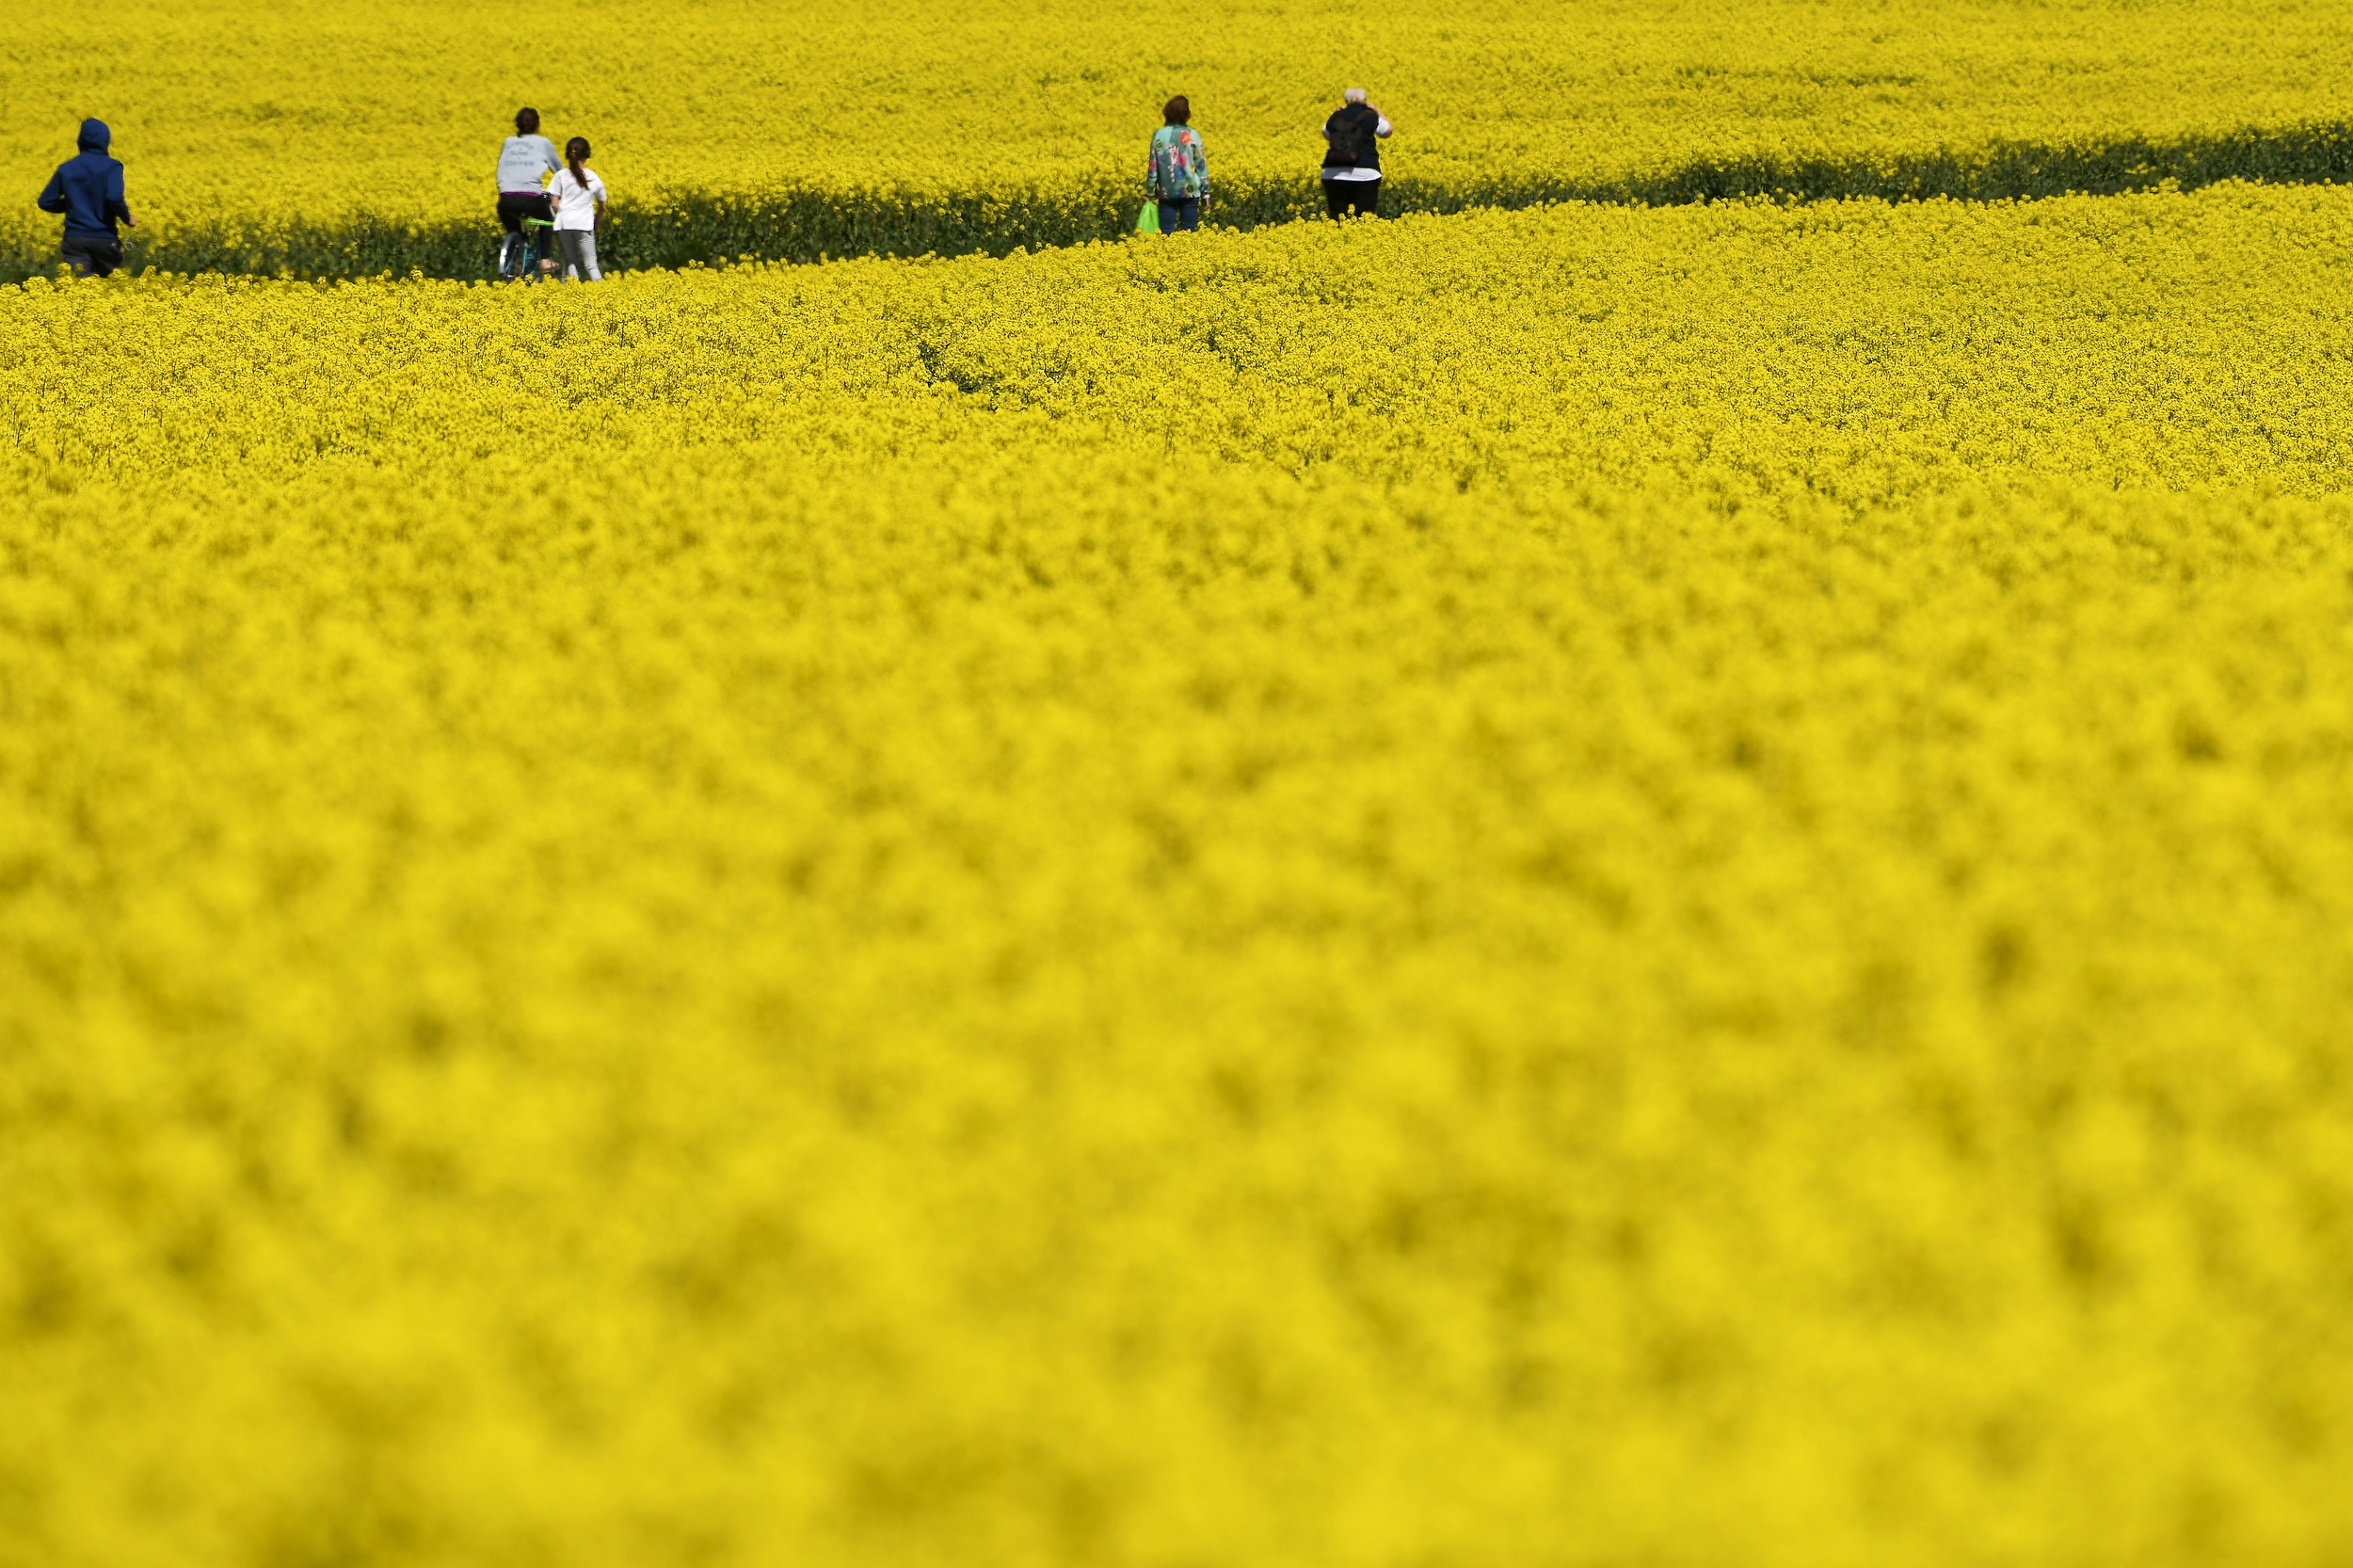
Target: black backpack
x=1349 y=128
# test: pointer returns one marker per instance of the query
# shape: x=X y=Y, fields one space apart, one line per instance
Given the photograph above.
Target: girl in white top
x=578 y=197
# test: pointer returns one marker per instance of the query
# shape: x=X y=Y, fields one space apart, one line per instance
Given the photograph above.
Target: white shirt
x=1381 y=130
x=576 y=208
x=524 y=161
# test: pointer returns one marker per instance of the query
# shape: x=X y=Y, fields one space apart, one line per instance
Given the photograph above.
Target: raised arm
x=53 y=194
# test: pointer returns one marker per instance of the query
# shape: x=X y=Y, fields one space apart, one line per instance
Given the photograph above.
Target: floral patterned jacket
x=1177 y=165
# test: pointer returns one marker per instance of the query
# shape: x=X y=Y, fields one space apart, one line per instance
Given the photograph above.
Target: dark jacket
x=88 y=189
x=1354 y=144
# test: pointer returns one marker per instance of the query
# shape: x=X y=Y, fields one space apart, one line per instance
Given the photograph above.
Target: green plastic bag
x=1149 y=220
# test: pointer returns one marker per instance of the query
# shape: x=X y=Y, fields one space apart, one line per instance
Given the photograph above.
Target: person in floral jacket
x=1177 y=171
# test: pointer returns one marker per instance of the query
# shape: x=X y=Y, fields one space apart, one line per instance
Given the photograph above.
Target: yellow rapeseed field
x=1581 y=886
x=1861 y=352
x=347 y=139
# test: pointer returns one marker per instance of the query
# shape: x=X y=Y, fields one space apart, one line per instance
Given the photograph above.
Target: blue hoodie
x=88 y=189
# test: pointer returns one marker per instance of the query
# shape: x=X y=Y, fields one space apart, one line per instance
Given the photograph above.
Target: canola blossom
x=1859 y=352
x=349 y=140
x=1582 y=886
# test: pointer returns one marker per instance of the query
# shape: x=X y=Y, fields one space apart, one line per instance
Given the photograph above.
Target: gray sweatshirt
x=524 y=161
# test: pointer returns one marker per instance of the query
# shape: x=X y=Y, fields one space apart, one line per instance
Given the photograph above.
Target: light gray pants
x=580 y=253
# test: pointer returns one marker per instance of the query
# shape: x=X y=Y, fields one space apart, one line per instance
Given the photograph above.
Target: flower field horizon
x=363 y=143
x=1580 y=887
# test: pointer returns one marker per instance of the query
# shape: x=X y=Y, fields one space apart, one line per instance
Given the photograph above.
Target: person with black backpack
x=1352 y=162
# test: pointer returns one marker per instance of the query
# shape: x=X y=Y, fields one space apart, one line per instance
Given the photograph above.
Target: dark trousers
x=1179 y=214
x=514 y=206
x=1361 y=197
x=89 y=253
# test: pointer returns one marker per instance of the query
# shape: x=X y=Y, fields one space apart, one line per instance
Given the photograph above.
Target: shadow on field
x=803 y=224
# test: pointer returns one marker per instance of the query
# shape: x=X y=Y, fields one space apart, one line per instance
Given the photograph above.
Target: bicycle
x=520 y=253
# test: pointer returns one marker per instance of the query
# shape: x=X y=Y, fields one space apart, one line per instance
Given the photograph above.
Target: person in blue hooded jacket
x=88 y=191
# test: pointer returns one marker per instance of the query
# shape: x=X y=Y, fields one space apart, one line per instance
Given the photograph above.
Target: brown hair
x=526 y=123
x=576 y=154
x=1176 y=111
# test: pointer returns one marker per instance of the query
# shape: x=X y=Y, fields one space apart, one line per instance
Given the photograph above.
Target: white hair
x=1353 y=95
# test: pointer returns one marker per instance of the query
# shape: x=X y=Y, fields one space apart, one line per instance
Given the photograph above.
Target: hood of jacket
x=95 y=137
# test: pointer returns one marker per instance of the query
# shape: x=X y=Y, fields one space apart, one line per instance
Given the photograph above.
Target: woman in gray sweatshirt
x=525 y=161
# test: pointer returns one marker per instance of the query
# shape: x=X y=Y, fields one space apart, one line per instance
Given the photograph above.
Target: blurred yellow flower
x=1589 y=884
